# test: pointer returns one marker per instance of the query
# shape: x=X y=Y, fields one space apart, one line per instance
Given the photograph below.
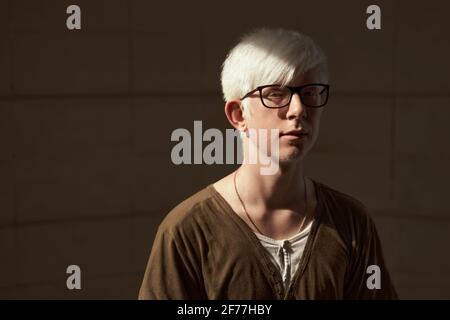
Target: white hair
x=267 y=56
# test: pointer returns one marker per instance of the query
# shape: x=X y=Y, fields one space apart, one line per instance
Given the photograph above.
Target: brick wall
x=86 y=117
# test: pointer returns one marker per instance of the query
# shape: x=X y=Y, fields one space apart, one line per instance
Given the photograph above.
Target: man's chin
x=290 y=156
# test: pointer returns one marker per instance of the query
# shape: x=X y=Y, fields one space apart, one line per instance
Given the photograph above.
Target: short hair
x=267 y=56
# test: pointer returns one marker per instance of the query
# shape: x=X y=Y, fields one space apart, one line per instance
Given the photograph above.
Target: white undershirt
x=286 y=254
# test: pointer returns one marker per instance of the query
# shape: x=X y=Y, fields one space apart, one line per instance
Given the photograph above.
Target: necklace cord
x=251 y=220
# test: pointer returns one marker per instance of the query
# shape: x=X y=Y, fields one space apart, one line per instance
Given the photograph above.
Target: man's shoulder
x=343 y=205
x=188 y=212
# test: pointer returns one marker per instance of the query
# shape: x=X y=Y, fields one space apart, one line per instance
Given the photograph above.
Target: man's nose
x=296 y=109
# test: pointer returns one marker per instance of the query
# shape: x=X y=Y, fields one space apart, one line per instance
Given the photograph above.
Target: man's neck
x=280 y=190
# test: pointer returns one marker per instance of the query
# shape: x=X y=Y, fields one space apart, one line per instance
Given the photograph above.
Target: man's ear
x=235 y=114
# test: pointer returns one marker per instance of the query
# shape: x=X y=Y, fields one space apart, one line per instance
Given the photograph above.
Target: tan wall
x=86 y=117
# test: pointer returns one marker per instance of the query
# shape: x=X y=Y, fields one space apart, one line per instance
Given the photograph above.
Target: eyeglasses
x=274 y=96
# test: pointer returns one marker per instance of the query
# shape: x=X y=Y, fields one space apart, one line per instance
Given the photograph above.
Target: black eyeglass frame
x=292 y=90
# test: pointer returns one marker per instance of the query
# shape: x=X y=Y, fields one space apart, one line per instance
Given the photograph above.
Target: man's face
x=295 y=116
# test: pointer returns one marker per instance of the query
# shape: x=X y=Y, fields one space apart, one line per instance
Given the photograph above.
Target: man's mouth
x=295 y=133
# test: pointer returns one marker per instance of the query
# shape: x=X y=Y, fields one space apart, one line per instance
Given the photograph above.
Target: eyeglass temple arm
x=248 y=94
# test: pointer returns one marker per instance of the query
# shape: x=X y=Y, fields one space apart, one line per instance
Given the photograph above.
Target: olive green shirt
x=204 y=250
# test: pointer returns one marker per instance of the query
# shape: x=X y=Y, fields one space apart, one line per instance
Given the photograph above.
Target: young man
x=270 y=236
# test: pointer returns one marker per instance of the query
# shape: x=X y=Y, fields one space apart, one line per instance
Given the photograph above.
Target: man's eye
x=275 y=94
x=310 y=93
